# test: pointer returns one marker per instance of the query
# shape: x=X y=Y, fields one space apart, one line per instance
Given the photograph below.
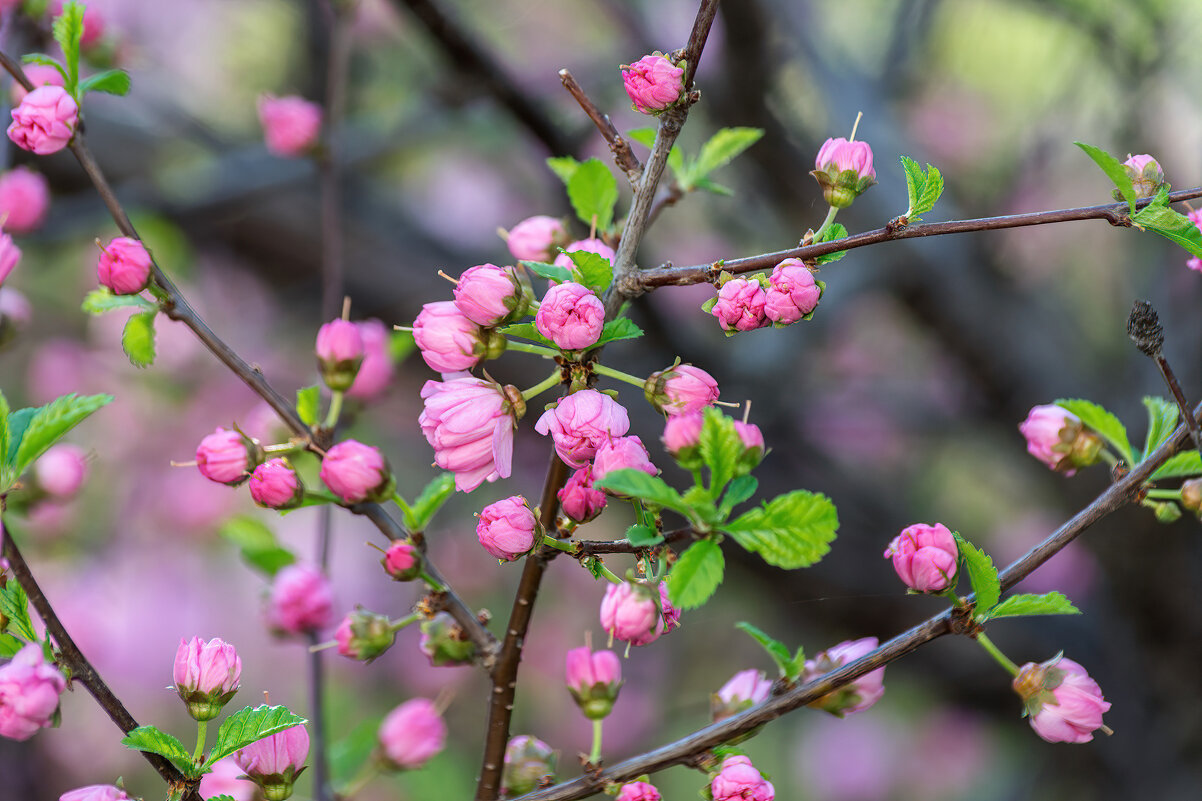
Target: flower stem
x=526 y=347
x=605 y=571
x=431 y=581
x=542 y=386
x=397 y=625
x=560 y=545
x=1108 y=457
x=335 y=410
x=594 y=756
x=1166 y=494
x=202 y=727
x=830 y=219
x=618 y=374
x=993 y=651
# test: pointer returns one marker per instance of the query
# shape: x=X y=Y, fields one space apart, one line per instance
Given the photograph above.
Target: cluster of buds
x=787 y=296
x=1059 y=439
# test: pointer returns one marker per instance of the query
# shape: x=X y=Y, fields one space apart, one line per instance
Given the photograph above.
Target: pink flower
x=226 y=457
x=376 y=371
x=275 y=485
x=448 y=340
x=38 y=75
x=653 y=83
x=681 y=389
x=124 y=266
x=364 y=635
x=844 y=170
x=1063 y=703
x=682 y=432
x=356 y=472
x=578 y=499
x=855 y=697
x=740 y=305
x=339 y=349
x=571 y=316
x=10 y=254
x=1050 y=432
x=638 y=791
x=291 y=125
x=412 y=733
x=29 y=691
x=507 y=528
x=1145 y=174
x=793 y=294
x=95 y=792
x=301 y=600
x=738 y=780
x=489 y=295
x=469 y=423
x=206 y=675
x=593 y=679
x=581 y=423
x=224 y=781
x=630 y=612
x=744 y=690
x=274 y=762
x=402 y=560
x=24 y=199
x=587 y=245
x=529 y=762
x=924 y=557
x=622 y=453
x=753 y=441
x=533 y=238
x=15 y=312
x=61 y=470
x=45 y=121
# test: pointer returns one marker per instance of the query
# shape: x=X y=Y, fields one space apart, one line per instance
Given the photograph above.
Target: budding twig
x=1143 y=326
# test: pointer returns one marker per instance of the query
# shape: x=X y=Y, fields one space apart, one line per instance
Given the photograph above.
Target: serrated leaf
x=10 y=645
x=151 y=740
x=982 y=574
x=258 y=544
x=250 y=725
x=637 y=484
x=101 y=300
x=836 y=231
x=642 y=536
x=720 y=448
x=68 y=31
x=1162 y=419
x=646 y=138
x=1114 y=170
x=790 y=531
x=14 y=604
x=617 y=329
x=593 y=192
x=138 y=339
x=563 y=166
x=1050 y=603
x=776 y=649
x=548 y=271
x=112 y=82
x=741 y=489
x=527 y=331
x=47 y=424
x=431 y=499
x=923 y=188
x=1103 y=422
x=1169 y=223
x=1179 y=465
x=718 y=152
x=18 y=422
x=696 y=575
x=308 y=404
x=592 y=269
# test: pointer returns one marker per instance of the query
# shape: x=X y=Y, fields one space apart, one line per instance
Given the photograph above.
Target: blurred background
x=899 y=400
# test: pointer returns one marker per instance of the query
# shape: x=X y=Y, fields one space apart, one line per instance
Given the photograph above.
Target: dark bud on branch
x=1143 y=326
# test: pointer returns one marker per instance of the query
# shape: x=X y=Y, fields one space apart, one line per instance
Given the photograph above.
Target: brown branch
x=602 y=547
x=623 y=156
x=1114 y=213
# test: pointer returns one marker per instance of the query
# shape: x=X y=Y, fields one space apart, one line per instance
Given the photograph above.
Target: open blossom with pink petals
x=925 y=557
x=29 y=692
x=738 y=780
x=124 y=266
x=45 y=120
x=740 y=305
x=291 y=125
x=638 y=791
x=680 y=389
x=469 y=423
x=851 y=698
x=534 y=237
x=449 y=342
x=580 y=423
x=587 y=245
x=507 y=529
x=578 y=499
x=570 y=315
x=412 y=733
x=95 y=792
x=653 y=83
x=793 y=292
x=24 y=200
x=1062 y=702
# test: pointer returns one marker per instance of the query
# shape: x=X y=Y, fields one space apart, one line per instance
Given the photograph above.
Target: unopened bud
x=364 y=635
x=528 y=763
x=445 y=643
x=1191 y=495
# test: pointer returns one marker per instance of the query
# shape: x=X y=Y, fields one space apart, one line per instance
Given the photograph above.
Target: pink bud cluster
x=789 y=295
x=29 y=693
x=925 y=557
x=637 y=613
x=45 y=121
x=291 y=125
x=653 y=83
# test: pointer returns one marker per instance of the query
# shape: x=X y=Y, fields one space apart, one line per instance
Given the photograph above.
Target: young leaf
x=696 y=575
x=641 y=536
x=1162 y=419
x=982 y=574
x=738 y=491
x=836 y=231
x=308 y=404
x=1180 y=465
x=14 y=605
x=548 y=271
x=46 y=425
x=18 y=422
x=792 y=530
x=923 y=188
x=775 y=648
x=259 y=546
x=431 y=499
x=713 y=187
x=138 y=338
x=101 y=300
x=620 y=328
x=527 y=331
x=646 y=138
x=151 y=740
x=68 y=30
x=1050 y=603
x=10 y=645
x=563 y=166
x=1103 y=422
x=592 y=269
x=1114 y=170
x=593 y=191
x=720 y=448
x=637 y=484
x=250 y=725
x=45 y=61
x=1172 y=225
x=113 y=82
x=718 y=152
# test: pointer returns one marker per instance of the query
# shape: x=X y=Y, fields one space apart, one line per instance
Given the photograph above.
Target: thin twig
x=1143 y=326
x=623 y=156
x=602 y=547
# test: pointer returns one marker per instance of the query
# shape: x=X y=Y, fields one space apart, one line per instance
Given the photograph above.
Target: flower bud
x=274 y=762
x=227 y=457
x=61 y=470
x=622 y=453
x=925 y=557
x=680 y=389
x=638 y=791
x=529 y=764
x=29 y=692
x=682 y=433
x=844 y=170
x=95 y=792
x=411 y=734
x=376 y=370
x=578 y=499
x=356 y=472
x=738 y=780
x=507 y=528
x=489 y=295
x=744 y=690
x=402 y=561
x=593 y=679
x=570 y=315
x=580 y=423
x=301 y=600
x=1145 y=174
x=291 y=125
x=364 y=635
x=1191 y=495
x=1063 y=704
x=740 y=305
x=24 y=200
x=124 y=266
x=534 y=238
x=45 y=120
x=653 y=83
x=753 y=447
x=445 y=643
x=275 y=485
x=206 y=675
x=588 y=245
x=1059 y=439
x=793 y=293
x=449 y=341
x=851 y=698
x=224 y=780
x=339 y=353
x=637 y=613
x=10 y=255
x=38 y=75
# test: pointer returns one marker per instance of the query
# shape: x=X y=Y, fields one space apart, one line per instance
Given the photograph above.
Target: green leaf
x=1103 y=422
x=741 y=489
x=527 y=331
x=646 y=138
x=45 y=61
x=696 y=575
x=222 y=797
x=308 y=404
x=1114 y=170
x=349 y=753
x=718 y=152
x=10 y=645
x=138 y=339
x=620 y=328
x=68 y=30
x=1169 y=223
x=151 y=740
x=922 y=187
x=641 y=536
x=1162 y=419
x=113 y=82
x=258 y=544
x=1179 y=465
x=592 y=269
x=3 y=436
x=1050 y=603
x=593 y=191
x=548 y=271
x=982 y=574
x=14 y=604
x=836 y=231
x=250 y=725
x=563 y=166
x=637 y=484
x=18 y=423
x=713 y=187
x=792 y=530
x=720 y=448
x=775 y=648
x=101 y=300
x=49 y=423
x=431 y=499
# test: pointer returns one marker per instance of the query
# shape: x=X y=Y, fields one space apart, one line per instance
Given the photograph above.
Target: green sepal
x=982 y=574
x=696 y=575
x=249 y=725
x=790 y=531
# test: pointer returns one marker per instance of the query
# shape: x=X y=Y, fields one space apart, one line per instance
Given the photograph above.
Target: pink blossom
x=744 y=690
x=629 y=612
x=533 y=238
x=38 y=75
x=224 y=781
x=839 y=155
x=448 y=340
x=653 y=83
x=925 y=557
x=1145 y=174
x=275 y=485
x=226 y=457
x=95 y=792
x=274 y=762
x=364 y=635
x=571 y=316
x=356 y=472
x=587 y=245
x=681 y=389
x=622 y=453
x=638 y=791
x=529 y=762
x=793 y=292
x=489 y=295
x=61 y=470
x=1063 y=703
x=291 y=125
x=206 y=675
x=753 y=442
x=29 y=692
x=740 y=305
x=859 y=694
x=45 y=121
x=24 y=200
x=581 y=423
x=1044 y=429
x=402 y=561
x=469 y=422
x=682 y=432
x=593 y=679
x=412 y=733
x=507 y=528
x=10 y=254
x=376 y=370
x=301 y=600
x=15 y=312
x=738 y=780
x=339 y=349
x=124 y=266
x=578 y=499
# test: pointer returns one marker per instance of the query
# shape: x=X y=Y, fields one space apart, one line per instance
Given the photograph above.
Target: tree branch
x=623 y=156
